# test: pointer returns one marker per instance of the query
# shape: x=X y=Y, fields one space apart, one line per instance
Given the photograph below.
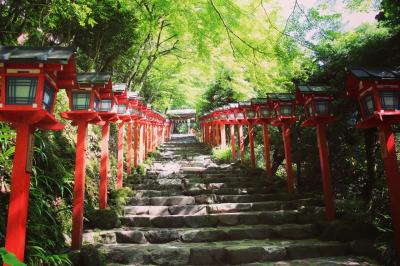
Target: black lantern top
x=317 y=102
x=377 y=91
x=283 y=106
x=30 y=78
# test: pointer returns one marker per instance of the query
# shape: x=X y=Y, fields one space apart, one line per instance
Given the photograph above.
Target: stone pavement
x=188 y=210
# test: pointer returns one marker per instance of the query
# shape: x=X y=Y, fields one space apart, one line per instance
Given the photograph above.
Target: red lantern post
x=29 y=82
x=376 y=91
x=317 y=102
x=107 y=112
x=84 y=106
x=283 y=106
x=264 y=118
x=251 y=118
x=123 y=117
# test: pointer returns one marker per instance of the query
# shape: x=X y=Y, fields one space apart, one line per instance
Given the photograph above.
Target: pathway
x=190 y=211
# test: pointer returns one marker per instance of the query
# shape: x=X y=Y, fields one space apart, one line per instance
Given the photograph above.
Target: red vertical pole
x=79 y=187
x=135 y=144
x=241 y=143
x=120 y=155
x=232 y=131
x=267 y=155
x=288 y=156
x=217 y=135
x=223 y=136
x=105 y=132
x=145 y=142
x=129 y=156
x=251 y=144
x=388 y=149
x=325 y=171
x=212 y=131
x=18 y=206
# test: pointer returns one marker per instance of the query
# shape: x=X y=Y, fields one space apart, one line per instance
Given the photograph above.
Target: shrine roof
x=317 y=89
x=25 y=54
x=281 y=96
x=93 y=78
x=375 y=73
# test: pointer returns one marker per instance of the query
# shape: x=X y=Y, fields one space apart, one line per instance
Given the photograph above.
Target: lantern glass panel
x=264 y=112
x=105 y=105
x=48 y=96
x=232 y=116
x=96 y=103
x=369 y=105
x=80 y=100
x=322 y=107
x=251 y=114
x=309 y=110
x=240 y=115
x=121 y=108
x=389 y=100
x=21 y=90
x=286 y=110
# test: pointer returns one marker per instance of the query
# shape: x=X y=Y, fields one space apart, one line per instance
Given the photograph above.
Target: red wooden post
x=232 y=131
x=212 y=133
x=388 y=150
x=325 y=171
x=104 y=165
x=120 y=155
x=251 y=144
x=217 y=135
x=288 y=156
x=129 y=156
x=241 y=143
x=18 y=206
x=79 y=186
x=145 y=140
x=223 y=136
x=136 y=144
x=267 y=155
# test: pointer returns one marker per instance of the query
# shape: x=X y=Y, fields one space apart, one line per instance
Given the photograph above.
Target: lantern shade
x=21 y=90
x=80 y=100
x=29 y=80
x=251 y=114
x=282 y=106
x=105 y=105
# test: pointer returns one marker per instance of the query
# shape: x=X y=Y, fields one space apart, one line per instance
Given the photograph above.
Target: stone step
x=324 y=261
x=220 y=253
x=206 y=234
x=202 y=209
x=224 y=219
x=218 y=191
x=213 y=198
x=200 y=186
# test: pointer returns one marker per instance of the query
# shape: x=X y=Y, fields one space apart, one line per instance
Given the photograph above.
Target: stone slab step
x=206 y=234
x=202 y=209
x=325 y=261
x=217 y=191
x=223 y=219
x=200 y=186
x=212 y=198
x=220 y=253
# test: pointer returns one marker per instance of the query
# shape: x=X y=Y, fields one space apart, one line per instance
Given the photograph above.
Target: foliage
x=9 y=258
x=222 y=155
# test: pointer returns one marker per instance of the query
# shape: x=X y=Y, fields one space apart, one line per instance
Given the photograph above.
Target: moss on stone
x=103 y=219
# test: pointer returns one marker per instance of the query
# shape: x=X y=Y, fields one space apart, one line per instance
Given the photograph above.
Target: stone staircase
x=190 y=211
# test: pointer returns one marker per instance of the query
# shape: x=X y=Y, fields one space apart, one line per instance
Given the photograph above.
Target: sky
x=350 y=19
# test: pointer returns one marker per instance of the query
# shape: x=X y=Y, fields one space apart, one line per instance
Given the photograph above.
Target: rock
x=201 y=221
x=207 y=256
x=136 y=237
x=206 y=199
x=162 y=236
x=90 y=255
x=249 y=233
x=348 y=230
x=228 y=218
x=174 y=200
x=103 y=219
x=99 y=237
x=168 y=221
x=203 y=235
x=141 y=221
x=248 y=218
x=295 y=231
x=188 y=210
x=170 y=256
